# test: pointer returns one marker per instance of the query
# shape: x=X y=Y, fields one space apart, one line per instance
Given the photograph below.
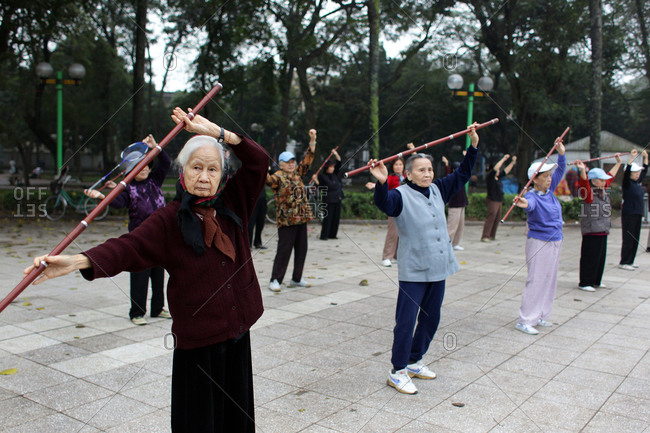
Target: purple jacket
x=143 y=198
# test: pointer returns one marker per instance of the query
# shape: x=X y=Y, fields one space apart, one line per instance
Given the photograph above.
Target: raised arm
x=509 y=167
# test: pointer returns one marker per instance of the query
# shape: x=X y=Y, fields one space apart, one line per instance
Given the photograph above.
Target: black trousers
x=290 y=238
x=212 y=388
x=631 y=226
x=139 y=289
x=258 y=218
x=331 y=221
x=592 y=260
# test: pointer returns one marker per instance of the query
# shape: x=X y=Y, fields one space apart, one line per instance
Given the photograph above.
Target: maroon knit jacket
x=210 y=297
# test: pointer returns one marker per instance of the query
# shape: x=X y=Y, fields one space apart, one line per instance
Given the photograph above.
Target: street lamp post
x=76 y=72
x=455 y=83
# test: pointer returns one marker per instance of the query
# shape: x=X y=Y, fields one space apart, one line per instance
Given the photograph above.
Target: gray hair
x=196 y=142
x=412 y=158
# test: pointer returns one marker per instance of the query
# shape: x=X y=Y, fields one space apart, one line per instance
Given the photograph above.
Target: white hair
x=193 y=144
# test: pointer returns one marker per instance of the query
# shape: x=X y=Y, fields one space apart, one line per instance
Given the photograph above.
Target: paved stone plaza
x=321 y=354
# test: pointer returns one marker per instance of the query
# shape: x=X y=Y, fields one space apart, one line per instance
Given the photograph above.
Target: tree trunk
x=373 y=23
x=137 y=126
x=305 y=92
x=285 y=92
x=645 y=44
x=596 y=90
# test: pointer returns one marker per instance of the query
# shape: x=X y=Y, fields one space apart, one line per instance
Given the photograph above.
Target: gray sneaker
x=301 y=283
x=526 y=329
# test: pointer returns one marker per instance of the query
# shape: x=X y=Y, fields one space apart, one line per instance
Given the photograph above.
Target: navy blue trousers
x=419 y=301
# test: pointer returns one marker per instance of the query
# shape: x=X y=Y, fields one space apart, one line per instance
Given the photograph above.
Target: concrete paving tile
x=465 y=419
x=556 y=415
x=604 y=422
x=517 y=386
x=493 y=344
x=87 y=365
x=56 y=353
x=53 y=424
x=29 y=377
x=609 y=359
x=267 y=390
x=314 y=428
x=111 y=324
x=85 y=316
x=307 y=405
x=68 y=394
x=156 y=393
x=264 y=361
x=26 y=343
x=572 y=394
x=484 y=358
x=109 y=412
x=282 y=331
x=626 y=340
x=9 y=332
x=124 y=378
x=287 y=350
x=628 y=406
x=134 y=352
x=589 y=378
x=558 y=356
x=532 y=367
x=141 y=333
x=520 y=423
x=419 y=427
x=309 y=322
x=270 y=421
x=454 y=368
x=46 y=324
x=410 y=406
x=367 y=379
x=154 y=422
x=20 y=410
x=295 y=374
x=358 y=418
x=331 y=360
x=161 y=365
x=71 y=333
x=100 y=342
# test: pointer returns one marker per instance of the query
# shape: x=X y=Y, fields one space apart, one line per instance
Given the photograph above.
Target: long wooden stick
x=523 y=191
x=602 y=157
x=323 y=164
x=424 y=146
x=102 y=205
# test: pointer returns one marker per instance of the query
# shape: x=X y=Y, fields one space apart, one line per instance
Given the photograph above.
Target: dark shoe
x=334 y=237
x=260 y=247
x=323 y=239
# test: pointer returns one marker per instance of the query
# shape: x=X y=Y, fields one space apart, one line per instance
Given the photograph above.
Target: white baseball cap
x=533 y=168
x=635 y=167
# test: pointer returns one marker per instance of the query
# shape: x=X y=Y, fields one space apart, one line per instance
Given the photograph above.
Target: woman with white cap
x=543 y=244
x=632 y=211
x=595 y=215
x=292 y=213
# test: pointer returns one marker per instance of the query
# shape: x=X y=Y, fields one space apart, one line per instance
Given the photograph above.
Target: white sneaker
x=401 y=381
x=420 y=371
x=458 y=248
x=602 y=286
x=544 y=323
x=626 y=267
x=386 y=263
x=634 y=266
x=526 y=329
x=301 y=283
x=587 y=288
x=139 y=321
x=274 y=286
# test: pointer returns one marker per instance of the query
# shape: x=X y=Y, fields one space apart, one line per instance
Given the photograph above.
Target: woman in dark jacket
x=331 y=193
x=214 y=297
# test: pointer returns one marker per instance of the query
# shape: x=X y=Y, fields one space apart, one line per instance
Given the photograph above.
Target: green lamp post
x=76 y=72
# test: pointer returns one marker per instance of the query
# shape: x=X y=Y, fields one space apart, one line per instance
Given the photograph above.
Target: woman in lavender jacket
x=543 y=244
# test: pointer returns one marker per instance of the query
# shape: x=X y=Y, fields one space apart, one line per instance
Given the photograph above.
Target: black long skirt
x=212 y=388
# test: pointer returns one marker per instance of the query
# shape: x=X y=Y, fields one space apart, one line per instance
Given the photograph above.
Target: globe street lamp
x=455 y=83
x=76 y=72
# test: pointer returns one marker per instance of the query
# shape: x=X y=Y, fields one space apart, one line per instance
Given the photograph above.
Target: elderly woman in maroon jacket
x=214 y=297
